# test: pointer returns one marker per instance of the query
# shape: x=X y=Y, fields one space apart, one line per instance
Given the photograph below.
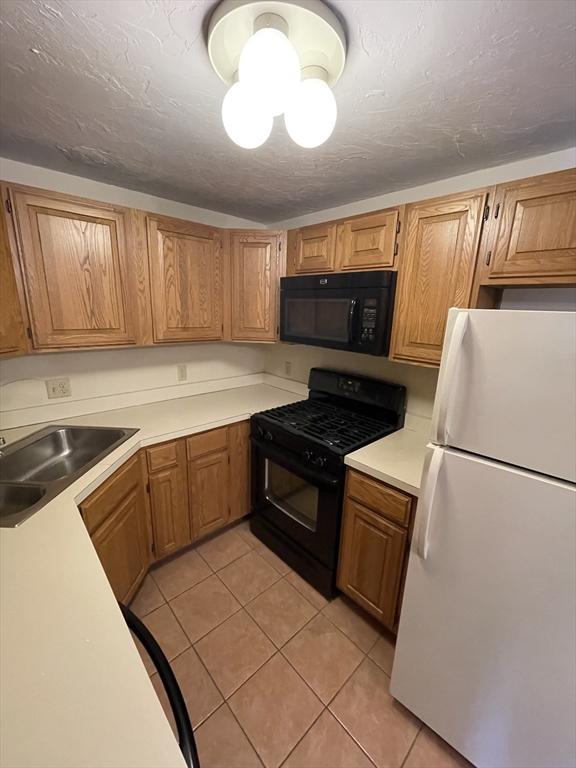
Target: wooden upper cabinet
x=436 y=272
x=368 y=242
x=534 y=234
x=74 y=256
x=313 y=249
x=255 y=275
x=12 y=328
x=186 y=266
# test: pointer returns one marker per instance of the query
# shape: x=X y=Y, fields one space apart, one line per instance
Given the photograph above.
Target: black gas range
x=298 y=466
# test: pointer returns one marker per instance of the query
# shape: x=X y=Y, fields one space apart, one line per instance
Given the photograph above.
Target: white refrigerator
x=486 y=647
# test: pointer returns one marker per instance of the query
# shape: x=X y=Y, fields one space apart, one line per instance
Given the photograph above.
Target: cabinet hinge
x=398 y=226
x=395 y=249
x=488 y=257
x=8 y=204
x=147 y=487
x=280 y=245
x=486 y=213
x=497 y=211
x=29 y=332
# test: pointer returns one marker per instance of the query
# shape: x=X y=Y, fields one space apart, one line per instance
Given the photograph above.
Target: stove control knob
x=320 y=461
x=259 y=430
x=268 y=436
x=307 y=455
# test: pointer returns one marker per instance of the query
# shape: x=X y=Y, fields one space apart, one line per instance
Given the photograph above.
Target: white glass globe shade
x=269 y=64
x=311 y=114
x=245 y=120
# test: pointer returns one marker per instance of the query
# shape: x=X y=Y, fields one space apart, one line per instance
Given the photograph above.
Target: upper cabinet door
x=186 y=280
x=436 y=272
x=314 y=249
x=255 y=274
x=12 y=329
x=74 y=257
x=368 y=242
x=535 y=233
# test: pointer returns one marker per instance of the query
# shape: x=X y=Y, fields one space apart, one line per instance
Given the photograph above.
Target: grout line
x=411 y=746
x=312 y=724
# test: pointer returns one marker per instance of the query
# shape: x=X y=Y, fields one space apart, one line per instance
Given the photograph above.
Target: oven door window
x=324 y=319
x=291 y=494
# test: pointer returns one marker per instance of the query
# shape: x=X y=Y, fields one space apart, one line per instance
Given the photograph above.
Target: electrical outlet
x=181 y=372
x=288 y=367
x=58 y=388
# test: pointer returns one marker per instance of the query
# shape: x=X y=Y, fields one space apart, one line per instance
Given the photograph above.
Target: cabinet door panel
x=254 y=285
x=436 y=272
x=186 y=272
x=367 y=242
x=371 y=561
x=208 y=483
x=315 y=248
x=170 y=516
x=12 y=329
x=536 y=229
x=239 y=447
x=122 y=545
x=74 y=257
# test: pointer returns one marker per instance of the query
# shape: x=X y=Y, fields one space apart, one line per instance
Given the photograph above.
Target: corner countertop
x=397 y=459
x=75 y=693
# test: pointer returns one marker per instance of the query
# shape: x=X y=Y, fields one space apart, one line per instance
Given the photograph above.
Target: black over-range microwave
x=350 y=311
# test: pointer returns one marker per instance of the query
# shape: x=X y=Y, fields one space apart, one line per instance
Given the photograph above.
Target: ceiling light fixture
x=279 y=57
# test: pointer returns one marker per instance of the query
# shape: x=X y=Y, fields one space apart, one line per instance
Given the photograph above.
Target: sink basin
x=58 y=454
x=15 y=498
x=37 y=468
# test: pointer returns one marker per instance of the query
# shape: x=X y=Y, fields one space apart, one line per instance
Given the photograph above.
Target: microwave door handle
x=351 y=316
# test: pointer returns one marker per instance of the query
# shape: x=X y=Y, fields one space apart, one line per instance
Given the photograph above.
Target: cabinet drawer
x=162 y=456
x=384 y=500
x=206 y=442
x=100 y=505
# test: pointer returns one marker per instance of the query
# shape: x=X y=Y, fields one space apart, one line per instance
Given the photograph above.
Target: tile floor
x=272 y=673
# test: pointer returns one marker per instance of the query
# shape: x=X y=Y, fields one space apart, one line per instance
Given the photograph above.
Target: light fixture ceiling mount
x=279 y=57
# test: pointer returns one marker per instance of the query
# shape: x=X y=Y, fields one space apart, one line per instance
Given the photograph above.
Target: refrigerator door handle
x=426 y=503
x=444 y=395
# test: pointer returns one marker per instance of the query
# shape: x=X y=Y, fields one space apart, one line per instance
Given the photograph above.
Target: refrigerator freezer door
x=507 y=388
x=486 y=649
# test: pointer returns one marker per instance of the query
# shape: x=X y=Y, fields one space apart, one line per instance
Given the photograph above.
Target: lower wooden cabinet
x=239 y=477
x=117 y=516
x=373 y=548
x=167 y=484
x=208 y=492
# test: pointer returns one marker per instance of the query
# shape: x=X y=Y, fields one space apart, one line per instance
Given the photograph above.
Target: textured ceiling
x=122 y=91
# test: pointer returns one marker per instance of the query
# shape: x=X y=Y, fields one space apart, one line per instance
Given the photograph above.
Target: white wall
x=419 y=381
x=107 y=379
x=34 y=176
x=554 y=298
x=534 y=166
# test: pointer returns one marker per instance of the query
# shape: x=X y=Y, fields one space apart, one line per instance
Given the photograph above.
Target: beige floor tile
x=275 y=709
x=199 y=692
x=234 y=651
x=327 y=745
x=384 y=728
x=357 y=625
x=222 y=743
x=272 y=558
x=181 y=573
x=203 y=607
x=430 y=751
x=147 y=598
x=248 y=576
x=243 y=530
x=281 y=611
x=323 y=656
x=167 y=631
x=383 y=653
x=223 y=549
x=314 y=597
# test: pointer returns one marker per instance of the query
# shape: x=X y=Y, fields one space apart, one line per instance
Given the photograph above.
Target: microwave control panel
x=368 y=321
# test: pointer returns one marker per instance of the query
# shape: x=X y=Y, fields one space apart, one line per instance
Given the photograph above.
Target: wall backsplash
x=419 y=381
x=107 y=379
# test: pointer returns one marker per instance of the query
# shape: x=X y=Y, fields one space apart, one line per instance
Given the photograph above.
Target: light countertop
x=74 y=692
x=397 y=459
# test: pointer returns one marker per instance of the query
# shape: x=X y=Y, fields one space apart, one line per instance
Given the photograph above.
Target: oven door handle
x=269 y=451
x=351 y=316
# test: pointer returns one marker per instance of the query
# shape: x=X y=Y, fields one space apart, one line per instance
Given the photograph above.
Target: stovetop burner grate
x=332 y=426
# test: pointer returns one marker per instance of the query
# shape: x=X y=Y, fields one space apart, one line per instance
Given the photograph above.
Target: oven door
x=324 y=318
x=303 y=503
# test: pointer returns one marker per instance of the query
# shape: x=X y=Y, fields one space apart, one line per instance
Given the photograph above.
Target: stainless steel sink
x=35 y=469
